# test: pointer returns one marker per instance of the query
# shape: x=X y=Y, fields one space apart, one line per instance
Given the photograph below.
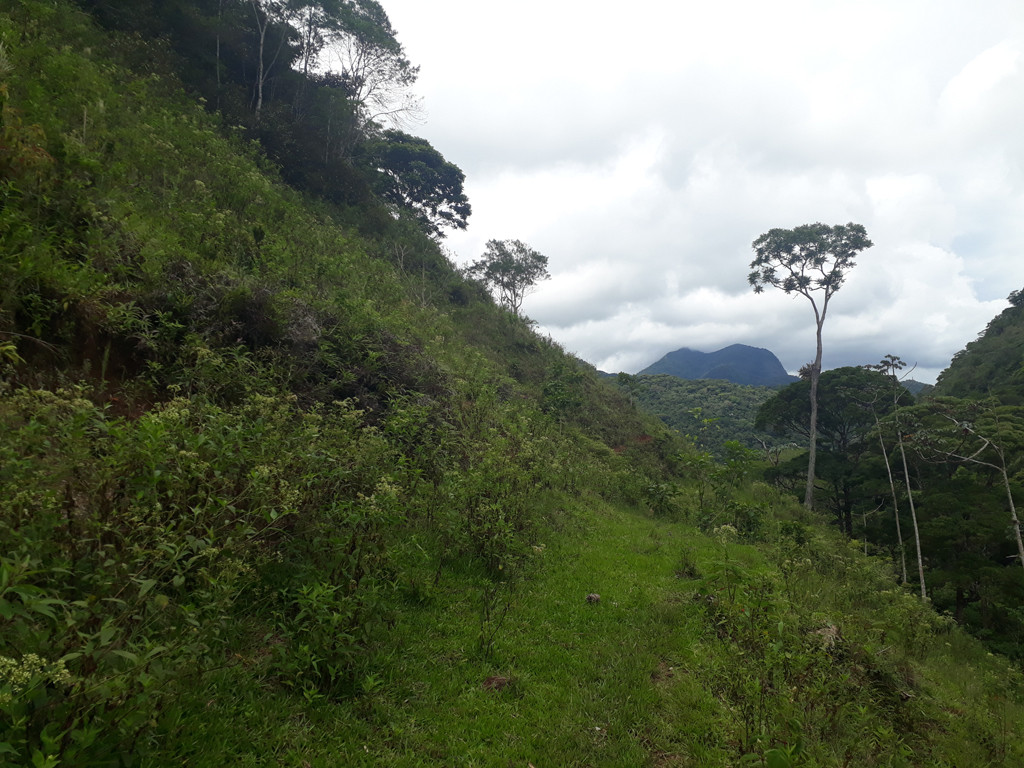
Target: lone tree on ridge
x=512 y=267
x=811 y=260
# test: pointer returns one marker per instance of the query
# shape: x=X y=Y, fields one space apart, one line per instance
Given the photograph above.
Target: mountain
x=737 y=363
x=917 y=387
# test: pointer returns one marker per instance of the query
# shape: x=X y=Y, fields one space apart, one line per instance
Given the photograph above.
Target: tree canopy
x=413 y=176
x=323 y=85
x=811 y=260
x=512 y=268
x=848 y=398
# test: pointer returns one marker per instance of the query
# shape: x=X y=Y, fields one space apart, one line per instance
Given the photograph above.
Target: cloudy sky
x=643 y=146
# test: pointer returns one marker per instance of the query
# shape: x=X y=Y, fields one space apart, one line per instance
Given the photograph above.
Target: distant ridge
x=737 y=363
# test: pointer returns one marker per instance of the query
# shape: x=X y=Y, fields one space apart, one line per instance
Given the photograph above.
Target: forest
x=958 y=526
x=280 y=484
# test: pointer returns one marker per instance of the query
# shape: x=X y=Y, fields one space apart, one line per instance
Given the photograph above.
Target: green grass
x=587 y=682
x=646 y=676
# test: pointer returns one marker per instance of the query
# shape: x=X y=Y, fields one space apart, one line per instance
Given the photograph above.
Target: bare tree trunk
x=263 y=69
x=262 y=27
x=1013 y=508
x=913 y=515
x=812 y=448
x=895 y=505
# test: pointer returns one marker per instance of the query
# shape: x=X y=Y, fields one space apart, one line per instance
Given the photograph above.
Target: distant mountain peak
x=738 y=363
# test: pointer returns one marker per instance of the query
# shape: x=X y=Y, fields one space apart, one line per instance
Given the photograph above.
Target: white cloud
x=643 y=148
x=971 y=90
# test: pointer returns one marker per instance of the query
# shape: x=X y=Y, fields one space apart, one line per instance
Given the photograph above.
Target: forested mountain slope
x=710 y=411
x=992 y=364
x=281 y=487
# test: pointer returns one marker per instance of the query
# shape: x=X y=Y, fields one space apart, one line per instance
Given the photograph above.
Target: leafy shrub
x=129 y=548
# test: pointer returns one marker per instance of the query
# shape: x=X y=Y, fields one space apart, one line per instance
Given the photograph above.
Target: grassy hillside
x=275 y=493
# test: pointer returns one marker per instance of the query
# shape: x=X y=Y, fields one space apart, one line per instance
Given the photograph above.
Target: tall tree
x=890 y=366
x=511 y=267
x=895 y=498
x=811 y=260
x=846 y=416
x=377 y=74
x=268 y=14
x=412 y=175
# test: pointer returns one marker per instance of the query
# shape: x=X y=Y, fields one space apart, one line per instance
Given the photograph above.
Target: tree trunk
x=812 y=448
x=263 y=68
x=895 y=505
x=1013 y=511
x=262 y=27
x=913 y=516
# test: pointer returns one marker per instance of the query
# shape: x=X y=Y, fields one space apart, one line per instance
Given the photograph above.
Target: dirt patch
x=663 y=672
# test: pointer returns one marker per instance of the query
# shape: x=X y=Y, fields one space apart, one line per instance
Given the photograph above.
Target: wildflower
x=20 y=675
x=726 y=532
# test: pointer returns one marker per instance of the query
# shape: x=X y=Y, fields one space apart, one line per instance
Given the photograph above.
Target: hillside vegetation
x=281 y=487
x=933 y=483
x=991 y=365
x=711 y=412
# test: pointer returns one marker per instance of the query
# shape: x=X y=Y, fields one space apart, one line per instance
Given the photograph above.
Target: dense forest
x=281 y=485
x=932 y=482
x=711 y=412
x=960 y=445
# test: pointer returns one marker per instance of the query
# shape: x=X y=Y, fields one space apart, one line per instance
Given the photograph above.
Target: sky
x=643 y=146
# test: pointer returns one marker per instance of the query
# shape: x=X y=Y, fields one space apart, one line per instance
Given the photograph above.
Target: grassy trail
x=580 y=683
x=586 y=682
x=648 y=676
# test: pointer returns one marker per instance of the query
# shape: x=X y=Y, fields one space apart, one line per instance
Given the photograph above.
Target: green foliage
x=562 y=390
x=126 y=552
x=511 y=267
x=990 y=365
x=849 y=398
x=414 y=176
x=807 y=259
x=277 y=491
x=711 y=411
x=257 y=64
